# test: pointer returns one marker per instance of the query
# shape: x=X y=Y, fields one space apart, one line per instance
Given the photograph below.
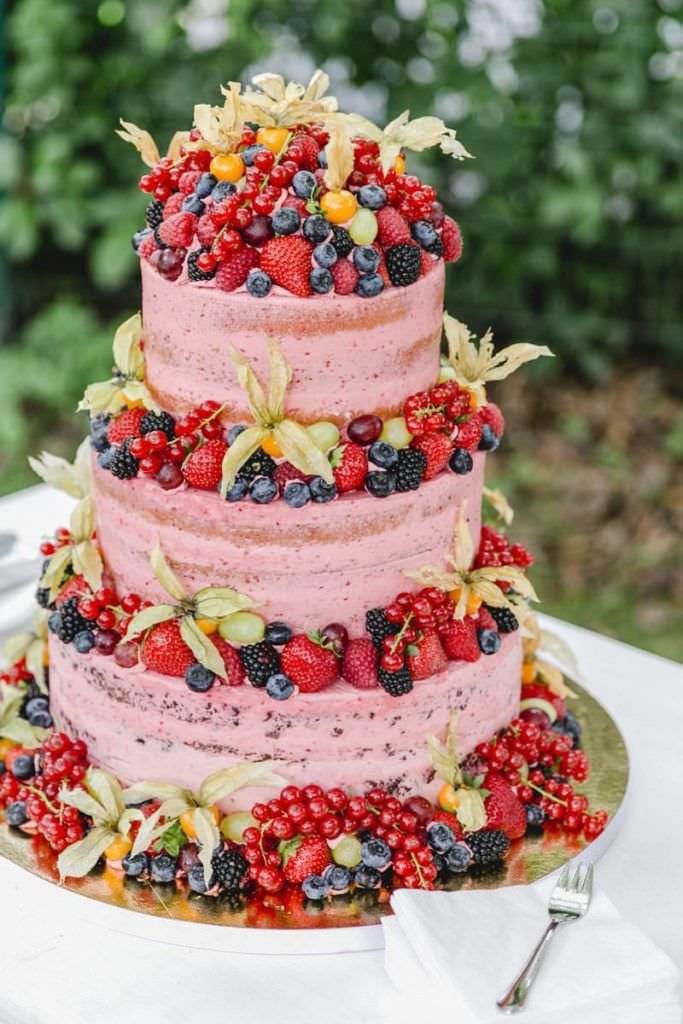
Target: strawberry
x=452 y=240
x=459 y=640
x=437 y=448
x=310 y=150
x=147 y=247
x=469 y=433
x=203 y=468
x=206 y=230
x=76 y=587
x=491 y=414
x=124 y=426
x=231 y=660
x=173 y=204
x=178 y=231
x=538 y=690
x=360 y=664
x=309 y=663
x=165 y=651
x=188 y=181
x=234 y=269
x=485 y=620
x=287 y=259
x=392 y=227
x=503 y=809
x=429 y=658
x=446 y=818
x=309 y=856
x=345 y=277
x=350 y=467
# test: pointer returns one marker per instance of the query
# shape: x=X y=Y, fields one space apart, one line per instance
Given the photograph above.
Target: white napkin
x=458 y=952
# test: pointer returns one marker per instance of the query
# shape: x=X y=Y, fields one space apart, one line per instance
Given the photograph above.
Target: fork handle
x=514 y=998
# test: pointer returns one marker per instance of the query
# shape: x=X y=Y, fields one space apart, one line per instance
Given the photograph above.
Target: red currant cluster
x=495 y=550
x=413 y=199
x=16 y=674
x=61 y=538
x=164 y=178
x=436 y=410
x=312 y=812
x=416 y=614
x=110 y=617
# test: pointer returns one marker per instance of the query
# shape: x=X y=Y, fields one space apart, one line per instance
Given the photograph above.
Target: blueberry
x=250 y=152
x=314 y=887
x=286 y=221
x=36 y=704
x=337 y=878
x=263 y=490
x=84 y=641
x=195 y=878
x=375 y=854
x=279 y=686
x=569 y=726
x=205 y=185
x=461 y=461
x=258 y=284
x=3 y=768
x=278 y=634
x=458 y=858
x=372 y=196
x=100 y=442
x=238 y=490
x=322 y=491
x=198 y=678
x=488 y=441
x=222 y=190
x=382 y=454
x=322 y=158
x=365 y=259
x=325 y=255
x=193 y=204
x=367 y=878
x=135 y=866
x=54 y=622
x=535 y=816
x=380 y=483
x=162 y=868
x=304 y=184
x=440 y=837
x=369 y=285
x=235 y=432
x=424 y=234
x=23 y=767
x=139 y=237
x=43 y=719
x=316 y=228
x=16 y=813
x=489 y=640
x=297 y=494
x=321 y=280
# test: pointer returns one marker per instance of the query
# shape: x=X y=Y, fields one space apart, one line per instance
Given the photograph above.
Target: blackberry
x=342 y=241
x=569 y=726
x=395 y=683
x=378 y=625
x=194 y=272
x=229 y=869
x=410 y=469
x=403 y=263
x=154 y=214
x=505 y=619
x=488 y=847
x=43 y=597
x=124 y=465
x=260 y=661
x=71 y=621
x=258 y=464
x=158 y=421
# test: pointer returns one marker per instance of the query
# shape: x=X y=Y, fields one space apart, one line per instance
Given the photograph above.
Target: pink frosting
x=349 y=355
x=141 y=725
x=310 y=566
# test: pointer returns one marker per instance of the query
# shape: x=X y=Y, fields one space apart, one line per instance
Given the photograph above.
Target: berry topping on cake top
x=278 y=187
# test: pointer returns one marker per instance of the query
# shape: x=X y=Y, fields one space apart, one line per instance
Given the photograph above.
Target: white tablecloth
x=62 y=971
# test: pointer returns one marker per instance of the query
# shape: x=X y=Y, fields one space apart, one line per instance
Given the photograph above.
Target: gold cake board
x=161 y=913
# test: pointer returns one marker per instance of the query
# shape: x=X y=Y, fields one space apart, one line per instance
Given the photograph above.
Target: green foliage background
x=571 y=212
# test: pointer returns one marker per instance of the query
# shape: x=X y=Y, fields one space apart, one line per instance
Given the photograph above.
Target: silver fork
x=568 y=902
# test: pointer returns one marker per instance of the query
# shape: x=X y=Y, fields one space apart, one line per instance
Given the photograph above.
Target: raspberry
x=285 y=472
x=360 y=664
x=203 y=468
x=427 y=262
x=178 y=231
x=393 y=229
x=345 y=277
x=206 y=231
x=172 y=205
x=233 y=271
x=147 y=247
x=491 y=414
x=310 y=150
x=485 y=619
x=452 y=240
x=459 y=640
x=287 y=260
x=437 y=449
x=126 y=425
x=187 y=182
x=231 y=660
x=469 y=433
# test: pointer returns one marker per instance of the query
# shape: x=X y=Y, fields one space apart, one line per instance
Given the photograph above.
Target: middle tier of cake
x=308 y=567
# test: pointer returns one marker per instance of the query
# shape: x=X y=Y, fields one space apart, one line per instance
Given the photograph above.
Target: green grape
x=363 y=227
x=233 y=825
x=242 y=628
x=347 y=852
x=323 y=434
x=396 y=433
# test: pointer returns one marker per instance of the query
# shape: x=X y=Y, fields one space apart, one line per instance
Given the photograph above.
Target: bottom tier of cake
x=141 y=725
